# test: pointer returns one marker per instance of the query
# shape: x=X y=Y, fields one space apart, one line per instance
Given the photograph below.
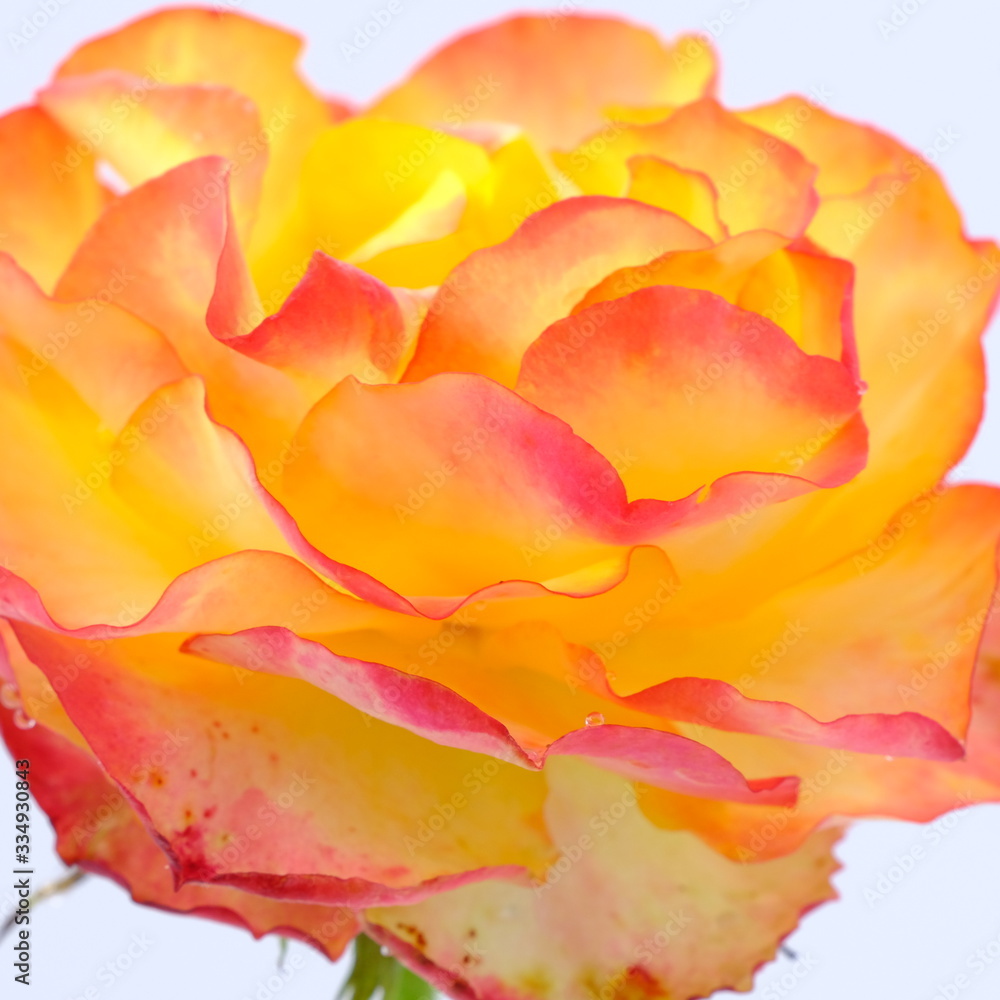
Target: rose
x=421 y=525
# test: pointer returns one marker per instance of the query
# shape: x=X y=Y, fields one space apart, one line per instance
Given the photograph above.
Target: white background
x=939 y=70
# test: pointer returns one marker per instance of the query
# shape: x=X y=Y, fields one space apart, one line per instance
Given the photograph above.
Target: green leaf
x=374 y=973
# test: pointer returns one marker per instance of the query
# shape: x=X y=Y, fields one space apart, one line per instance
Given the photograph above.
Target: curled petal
x=553 y=75
x=431 y=468
x=676 y=920
x=435 y=712
x=97 y=829
x=500 y=299
x=192 y=284
x=191 y=46
x=338 y=321
x=762 y=182
x=684 y=389
x=344 y=825
x=50 y=195
x=146 y=130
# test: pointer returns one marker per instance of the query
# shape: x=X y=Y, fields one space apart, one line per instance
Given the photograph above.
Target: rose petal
x=687 y=193
x=762 y=182
x=98 y=830
x=192 y=274
x=194 y=46
x=396 y=184
x=61 y=403
x=338 y=321
x=436 y=468
x=499 y=300
x=823 y=138
x=685 y=389
x=343 y=805
x=113 y=360
x=675 y=919
x=50 y=194
x=435 y=712
x=519 y=182
x=552 y=75
x=143 y=129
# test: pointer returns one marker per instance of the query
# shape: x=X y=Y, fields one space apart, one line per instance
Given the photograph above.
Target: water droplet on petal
x=383 y=950
x=9 y=696
x=22 y=720
x=611 y=675
x=595 y=719
x=887 y=757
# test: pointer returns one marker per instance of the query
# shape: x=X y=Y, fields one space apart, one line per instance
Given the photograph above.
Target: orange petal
x=143 y=129
x=63 y=400
x=857 y=640
x=688 y=193
x=262 y=785
x=675 y=918
x=438 y=713
x=191 y=46
x=50 y=195
x=552 y=75
x=430 y=469
x=685 y=389
x=825 y=141
x=338 y=321
x=500 y=299
x=844 y=784
x=922 y=297
x=191 y=276
x=762 y=182
x=113 y=360
x=98 y=830
x=395 y=185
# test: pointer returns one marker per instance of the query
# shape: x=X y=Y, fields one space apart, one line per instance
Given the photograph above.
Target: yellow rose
x=506 y=519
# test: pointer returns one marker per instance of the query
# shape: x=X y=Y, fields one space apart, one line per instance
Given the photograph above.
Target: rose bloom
x=507 y=519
